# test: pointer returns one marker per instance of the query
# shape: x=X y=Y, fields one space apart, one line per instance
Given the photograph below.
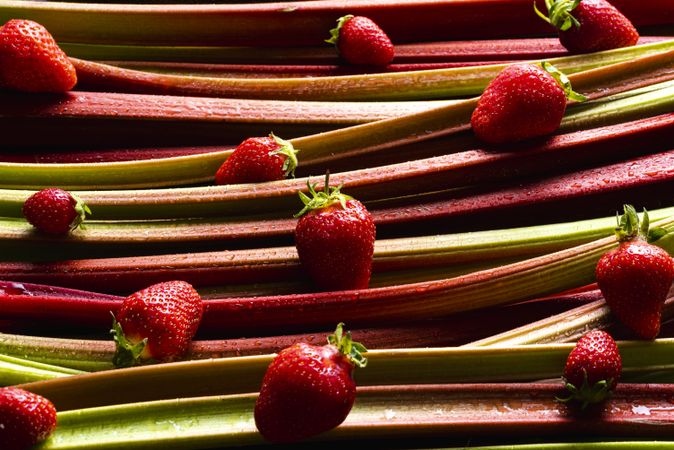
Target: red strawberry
x=31 y=61
x=258 y=159
x=308 y=389
x=54 y=211
x=593 y=368
x=360 y=41
x=589 y=25
x=25 y=419
x=157 y=323
x=522 y=102
x=636 y=277
x=335 y=239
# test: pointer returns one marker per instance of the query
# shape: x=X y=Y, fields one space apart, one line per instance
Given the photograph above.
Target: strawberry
x=335 y=239
x=593 y=368
x=25 y=419
x=157 y=323
x=636 y=277
x=360 y=41
x=55 y=211
x=31 y=61
x=258 y=159
x=589 y=25
x=522 y=102
x=308 y=389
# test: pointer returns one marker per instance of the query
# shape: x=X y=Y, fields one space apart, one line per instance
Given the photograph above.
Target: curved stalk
x=15 y=370
x=385 y=367
x=415 y=85
x=299 y=24
x=276 y=264
x=97 y=355
x=380 y=412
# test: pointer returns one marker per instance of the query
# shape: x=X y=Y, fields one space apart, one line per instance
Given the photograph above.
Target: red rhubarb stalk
x=88 y=311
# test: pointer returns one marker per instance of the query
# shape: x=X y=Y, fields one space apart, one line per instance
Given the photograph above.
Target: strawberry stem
x=127 y=353
x=586 y=394
x=81 y=209
x=286 y=149
x=334 y=32
x=629 y=226
x=559 y=13
x=321 y=199
x=563 y=81
x=352 y=350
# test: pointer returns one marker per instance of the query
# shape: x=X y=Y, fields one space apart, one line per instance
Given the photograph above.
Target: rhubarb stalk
x=385 y=367
x=380 y=412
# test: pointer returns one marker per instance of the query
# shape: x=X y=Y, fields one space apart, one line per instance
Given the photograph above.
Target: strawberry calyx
x=346 y=346
x=322 y=199
x=286 y=148
x=81 y=209
x=563 y=82
x=334 y=32
x=127 y=354
x=559 y=13
x=587 y=394
x=629 y=227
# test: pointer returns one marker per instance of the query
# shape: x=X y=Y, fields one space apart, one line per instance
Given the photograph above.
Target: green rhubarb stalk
x=414 y=85
x=17 y=370
x=568 y=326
x=288 y=24
x=78 y=354
x=379 y=412
x=436 y=251
x=386 y=367
x=234 y=200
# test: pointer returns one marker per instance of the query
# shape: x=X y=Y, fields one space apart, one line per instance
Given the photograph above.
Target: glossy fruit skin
x=51 y=211
x=597 y=354
x=522 y=102
x=27 y=419
x=336 y=244
x=362 y=42
x=602 y=27
x=31 y=61
x=306 y=390
x=167 y=314
x=252 y=162
x=634 y=280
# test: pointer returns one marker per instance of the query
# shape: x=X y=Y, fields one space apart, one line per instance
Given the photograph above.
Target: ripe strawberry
x=593 y=368
x=360 y=41
x=157 y=323
x=522 y=102
x=335 y=239
x=636 y=277
x=308 y=389
x=25 y=419
x=31 y=61
x=589 y=25
x=258 y=159
x=55 y=211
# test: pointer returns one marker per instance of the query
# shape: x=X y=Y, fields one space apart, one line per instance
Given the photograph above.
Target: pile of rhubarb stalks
x=483 y=272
